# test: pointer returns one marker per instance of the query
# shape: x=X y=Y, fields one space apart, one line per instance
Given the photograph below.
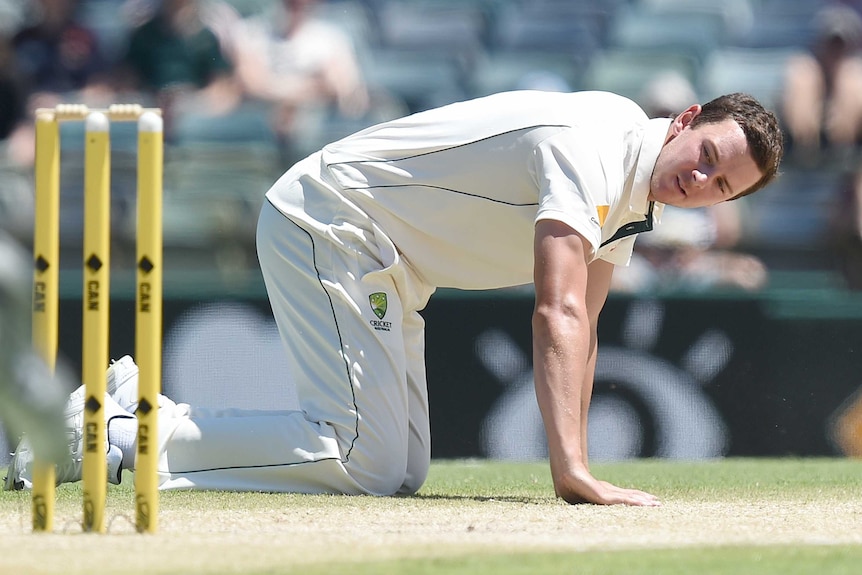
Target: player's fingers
x=640 y=493
x=647 y=498
x=633 y=496
x=638 y=498
x=639 y=501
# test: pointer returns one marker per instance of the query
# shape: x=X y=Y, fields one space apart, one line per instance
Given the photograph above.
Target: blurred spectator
x=300 y=64
x=11 y=88
x=846 y=230
x=544 y=80
x=821 y=102
x=12 y=94
x=666 y=95
x=58 y=54
x=822 y=113
x=690 y=248
x=176 y=56
x=57 y=58
x=16 y=143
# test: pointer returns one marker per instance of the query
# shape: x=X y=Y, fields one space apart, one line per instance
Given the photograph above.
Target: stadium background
x=689 y=374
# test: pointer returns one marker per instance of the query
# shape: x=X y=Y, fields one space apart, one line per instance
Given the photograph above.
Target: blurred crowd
x=243 y=81
x=184 y=56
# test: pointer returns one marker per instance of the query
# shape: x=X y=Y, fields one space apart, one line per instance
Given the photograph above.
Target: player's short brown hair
x=761 y=128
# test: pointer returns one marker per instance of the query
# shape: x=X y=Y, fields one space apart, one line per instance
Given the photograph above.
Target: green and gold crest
x=378 y=304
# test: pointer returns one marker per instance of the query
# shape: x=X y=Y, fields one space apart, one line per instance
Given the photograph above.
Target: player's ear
x=684 y=119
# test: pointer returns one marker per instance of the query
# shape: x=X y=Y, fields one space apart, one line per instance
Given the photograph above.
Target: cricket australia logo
x=379 y=303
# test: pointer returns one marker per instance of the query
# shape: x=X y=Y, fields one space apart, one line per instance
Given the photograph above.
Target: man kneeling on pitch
x=505 y=190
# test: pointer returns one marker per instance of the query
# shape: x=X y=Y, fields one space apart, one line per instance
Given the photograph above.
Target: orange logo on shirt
x=602 y=212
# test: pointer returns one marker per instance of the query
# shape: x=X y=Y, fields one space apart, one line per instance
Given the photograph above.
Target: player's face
x=703 y=166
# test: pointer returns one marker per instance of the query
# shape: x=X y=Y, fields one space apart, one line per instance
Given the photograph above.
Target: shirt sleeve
x=619 y=252
x=572 y=183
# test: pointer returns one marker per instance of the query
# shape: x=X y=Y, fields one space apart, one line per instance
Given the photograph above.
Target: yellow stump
x=96 y=304
x=148 y=318
x=96 y=299
x=46 y=275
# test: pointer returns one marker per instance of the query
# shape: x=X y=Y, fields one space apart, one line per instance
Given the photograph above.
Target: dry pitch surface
x=227 y=533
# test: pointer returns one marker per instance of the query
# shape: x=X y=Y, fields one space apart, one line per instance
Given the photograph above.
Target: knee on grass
x=389 y=475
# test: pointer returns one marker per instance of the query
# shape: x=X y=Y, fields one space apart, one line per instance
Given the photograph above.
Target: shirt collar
x=655 y=133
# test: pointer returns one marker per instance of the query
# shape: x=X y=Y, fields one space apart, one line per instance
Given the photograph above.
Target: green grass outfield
x=475 y=517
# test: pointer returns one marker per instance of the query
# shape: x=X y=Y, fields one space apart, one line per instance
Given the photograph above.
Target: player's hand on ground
x=648 y=499
x=582 y=487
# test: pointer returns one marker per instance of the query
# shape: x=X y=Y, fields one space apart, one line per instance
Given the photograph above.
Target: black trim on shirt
x=633 y=228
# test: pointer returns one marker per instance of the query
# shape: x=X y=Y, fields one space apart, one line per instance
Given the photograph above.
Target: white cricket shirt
x=459 y=189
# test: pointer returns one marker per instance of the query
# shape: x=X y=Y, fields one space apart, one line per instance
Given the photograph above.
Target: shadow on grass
x=519 y=499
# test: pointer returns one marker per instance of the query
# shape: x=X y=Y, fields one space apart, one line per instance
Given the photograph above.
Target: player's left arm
x=599 y=277
x=564 y=347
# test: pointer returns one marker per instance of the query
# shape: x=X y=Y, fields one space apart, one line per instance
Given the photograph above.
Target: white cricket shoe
x=20 y=472
x=122 y=383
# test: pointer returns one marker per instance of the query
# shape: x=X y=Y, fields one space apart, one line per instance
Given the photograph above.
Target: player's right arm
x=564 y=344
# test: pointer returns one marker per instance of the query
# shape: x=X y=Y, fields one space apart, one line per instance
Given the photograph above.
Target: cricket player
x=505 y=190
x=32 y=398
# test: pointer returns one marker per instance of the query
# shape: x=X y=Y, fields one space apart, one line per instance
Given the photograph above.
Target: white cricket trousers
x=363 y=427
